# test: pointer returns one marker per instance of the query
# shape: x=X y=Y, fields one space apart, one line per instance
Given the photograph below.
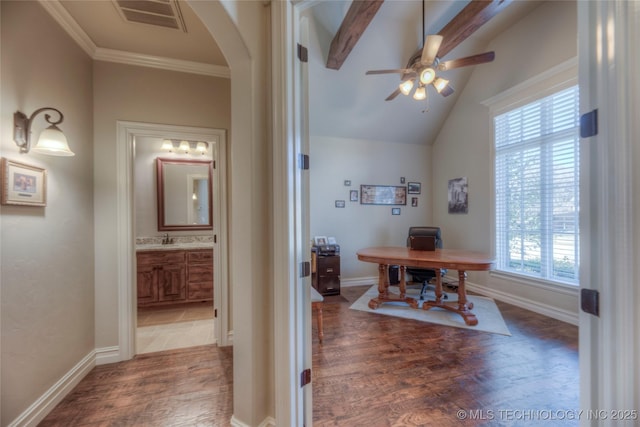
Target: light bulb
x=427 y=75
x=406 y=86
x=420 y=94
x=167 y=144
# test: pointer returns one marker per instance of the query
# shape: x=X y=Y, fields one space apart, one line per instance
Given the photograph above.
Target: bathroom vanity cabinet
x=174 y=276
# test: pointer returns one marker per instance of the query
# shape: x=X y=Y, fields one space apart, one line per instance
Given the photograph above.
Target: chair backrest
x=425 y=231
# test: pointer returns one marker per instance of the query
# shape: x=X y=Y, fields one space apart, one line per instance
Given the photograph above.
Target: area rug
x=485 y=309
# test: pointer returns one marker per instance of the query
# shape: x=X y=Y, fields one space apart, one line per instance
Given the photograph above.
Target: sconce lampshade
x=167 y=145
x=53 y=142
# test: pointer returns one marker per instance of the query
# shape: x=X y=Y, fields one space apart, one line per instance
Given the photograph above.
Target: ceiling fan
x=423 y=65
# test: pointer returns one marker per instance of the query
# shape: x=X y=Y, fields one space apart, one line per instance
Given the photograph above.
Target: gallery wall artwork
x=458 y=196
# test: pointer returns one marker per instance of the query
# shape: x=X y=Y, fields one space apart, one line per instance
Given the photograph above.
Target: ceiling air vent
x=161 y=13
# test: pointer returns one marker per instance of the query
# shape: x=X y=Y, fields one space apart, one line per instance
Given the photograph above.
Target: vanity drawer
x=200 y=257
x=160 y=257
x=200 y=291
x=200 y=273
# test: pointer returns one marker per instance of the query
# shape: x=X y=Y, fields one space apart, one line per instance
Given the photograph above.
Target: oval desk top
x=455 y=259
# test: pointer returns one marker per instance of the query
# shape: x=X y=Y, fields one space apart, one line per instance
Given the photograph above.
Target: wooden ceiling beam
x=358 y=17
x=465 y=23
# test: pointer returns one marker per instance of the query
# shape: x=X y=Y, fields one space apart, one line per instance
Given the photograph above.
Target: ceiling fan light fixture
x=427 y=75
x=420 y=94
x=406 y=86
x=440 y=84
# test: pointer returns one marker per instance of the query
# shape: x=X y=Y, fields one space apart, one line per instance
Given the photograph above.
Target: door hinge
x=589 y=124
x=215 y=313
x=303 y=161
x=215 y=238
x=303 y=53
x=305 y=269
x=214 y=164
x=590 y=301
x=305 y=377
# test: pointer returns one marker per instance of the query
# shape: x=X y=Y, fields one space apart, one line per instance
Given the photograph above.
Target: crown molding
x=66 y=21
x=160 y=62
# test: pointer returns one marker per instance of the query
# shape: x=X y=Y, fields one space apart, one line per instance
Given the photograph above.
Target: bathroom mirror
x=184 y=194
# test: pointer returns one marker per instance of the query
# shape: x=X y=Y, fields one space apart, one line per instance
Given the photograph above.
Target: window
x=537 y=188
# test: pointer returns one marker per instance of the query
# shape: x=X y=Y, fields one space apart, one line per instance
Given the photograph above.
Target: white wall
x=356 y=226
x=46 y=254
x=136 y=94
x=543 y=39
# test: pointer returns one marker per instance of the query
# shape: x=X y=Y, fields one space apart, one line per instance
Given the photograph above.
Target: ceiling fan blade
x=447 y=91
x=465 y=23
x=430 y=49
x=393 y=95
x=480 y=58
x=399 y=70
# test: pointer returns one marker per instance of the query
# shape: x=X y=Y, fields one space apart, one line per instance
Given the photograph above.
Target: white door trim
x=127 y=307
x=609 y=41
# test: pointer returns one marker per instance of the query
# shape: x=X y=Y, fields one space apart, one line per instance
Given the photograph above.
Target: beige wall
x=464 y=146
x=136 y=94
x=334 y=160
x=46 y=254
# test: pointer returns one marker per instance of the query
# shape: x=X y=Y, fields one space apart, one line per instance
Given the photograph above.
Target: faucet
x=165 y=239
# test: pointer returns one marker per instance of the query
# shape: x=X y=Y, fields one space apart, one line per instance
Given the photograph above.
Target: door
x=609 y=45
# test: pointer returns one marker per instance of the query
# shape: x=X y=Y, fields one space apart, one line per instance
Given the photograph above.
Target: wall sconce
x=51 y=141
x=185 y=146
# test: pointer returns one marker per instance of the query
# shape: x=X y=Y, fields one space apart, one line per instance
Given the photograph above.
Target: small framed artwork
x=331 y=241
x=320 y=240
x=353 y=195
x=414 y=202
x=402 y=180
x=347 y=183
x=339 y=203
x=22 y=184
x=413 y=188
x=395 y=211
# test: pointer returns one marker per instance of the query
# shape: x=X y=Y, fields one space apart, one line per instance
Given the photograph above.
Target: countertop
x=174 y=246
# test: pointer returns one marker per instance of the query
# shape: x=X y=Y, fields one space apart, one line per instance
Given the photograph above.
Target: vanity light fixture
x=184 y=146
x=51 y=141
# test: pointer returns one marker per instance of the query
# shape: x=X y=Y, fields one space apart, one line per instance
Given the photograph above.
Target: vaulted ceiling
x=343 y=101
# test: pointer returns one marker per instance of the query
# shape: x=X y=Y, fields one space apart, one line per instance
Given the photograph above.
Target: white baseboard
x=544 y=309
x=267 y=422
x=536 y=307
x=45 y=404
x=358 y=281
x=107 y=355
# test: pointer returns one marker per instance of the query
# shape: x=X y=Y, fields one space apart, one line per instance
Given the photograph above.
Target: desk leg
x=383 y=289
x=462 y=307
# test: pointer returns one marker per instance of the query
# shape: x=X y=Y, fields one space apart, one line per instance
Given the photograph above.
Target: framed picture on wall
x=22 y=184
x=395 y=211
x=383 y=195
x=413 y=188
x=353 y=195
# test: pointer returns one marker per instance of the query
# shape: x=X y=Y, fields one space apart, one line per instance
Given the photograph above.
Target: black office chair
x=418 y=274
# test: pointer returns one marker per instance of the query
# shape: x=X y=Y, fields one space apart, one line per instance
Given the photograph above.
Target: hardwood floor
x=371 y=370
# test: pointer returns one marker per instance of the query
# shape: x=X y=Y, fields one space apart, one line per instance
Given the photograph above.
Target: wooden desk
x=453 y=259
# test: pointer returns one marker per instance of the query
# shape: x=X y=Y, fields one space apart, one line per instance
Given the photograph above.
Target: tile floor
x=176 y=326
